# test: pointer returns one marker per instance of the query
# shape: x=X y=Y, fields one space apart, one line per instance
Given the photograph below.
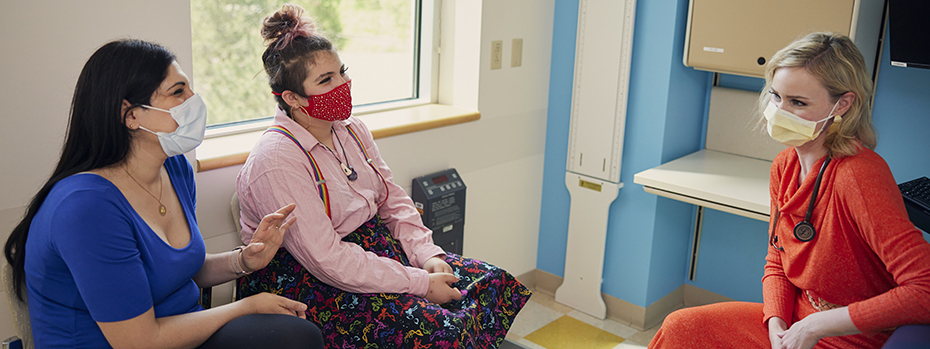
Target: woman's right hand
x=441 y=290
x=192 y=329
x=776 y=326
x=267 y=239
x=268 y=303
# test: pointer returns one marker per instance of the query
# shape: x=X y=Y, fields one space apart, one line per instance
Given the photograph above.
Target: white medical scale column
x=595 y=145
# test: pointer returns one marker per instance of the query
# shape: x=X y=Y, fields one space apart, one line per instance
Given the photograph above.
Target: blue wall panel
x=553 y=223
x=686 y=104
x=731 y=256
x=632 y=216
x=902 y=117
x=740 y=82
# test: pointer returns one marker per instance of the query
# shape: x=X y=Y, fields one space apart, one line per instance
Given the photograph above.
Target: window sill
x=232 y=150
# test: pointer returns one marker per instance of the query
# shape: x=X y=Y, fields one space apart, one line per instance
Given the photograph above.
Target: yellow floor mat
x=567 y=332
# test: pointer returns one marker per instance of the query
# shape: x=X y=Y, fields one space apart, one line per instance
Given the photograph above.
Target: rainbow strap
x=370 y=163
x=359 y=142
x=317 y=174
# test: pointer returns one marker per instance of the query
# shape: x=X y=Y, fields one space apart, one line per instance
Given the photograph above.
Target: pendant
x=162 y=210
x=350 y=172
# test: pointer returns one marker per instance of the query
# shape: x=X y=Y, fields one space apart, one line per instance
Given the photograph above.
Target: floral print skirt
x=491 y=300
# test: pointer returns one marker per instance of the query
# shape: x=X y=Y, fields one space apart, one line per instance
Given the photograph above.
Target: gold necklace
x=161 y=207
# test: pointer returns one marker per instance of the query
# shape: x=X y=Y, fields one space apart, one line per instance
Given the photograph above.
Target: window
x=378 y=40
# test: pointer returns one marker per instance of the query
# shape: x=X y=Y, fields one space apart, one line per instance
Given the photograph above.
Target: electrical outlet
x=516 y=53
x=497 y=52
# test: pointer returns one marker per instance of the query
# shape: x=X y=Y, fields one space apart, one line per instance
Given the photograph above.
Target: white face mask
x=191 y=117
x=790 y=129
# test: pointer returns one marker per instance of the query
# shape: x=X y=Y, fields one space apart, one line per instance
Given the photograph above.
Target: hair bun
x=285 y=25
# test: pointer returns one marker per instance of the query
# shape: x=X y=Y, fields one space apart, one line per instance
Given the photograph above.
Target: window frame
x=426 y=83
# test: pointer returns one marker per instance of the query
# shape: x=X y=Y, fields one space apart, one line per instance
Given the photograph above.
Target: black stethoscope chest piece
x=804 y=231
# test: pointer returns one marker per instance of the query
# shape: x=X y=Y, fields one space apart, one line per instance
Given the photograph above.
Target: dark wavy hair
x=293 y=44
x=97 y=137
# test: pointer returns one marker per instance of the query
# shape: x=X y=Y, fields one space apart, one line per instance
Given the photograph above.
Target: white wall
x=500 y=157
x=43 y=46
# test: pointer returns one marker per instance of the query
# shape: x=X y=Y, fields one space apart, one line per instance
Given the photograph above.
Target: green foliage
x=227 y=45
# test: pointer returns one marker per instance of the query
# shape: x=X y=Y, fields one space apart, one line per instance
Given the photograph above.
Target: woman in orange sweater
x=845 y=266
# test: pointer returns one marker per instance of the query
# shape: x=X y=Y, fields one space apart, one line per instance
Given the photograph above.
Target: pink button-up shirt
x=277 y=173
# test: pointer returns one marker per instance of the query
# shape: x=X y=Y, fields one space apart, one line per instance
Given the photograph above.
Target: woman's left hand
x=437 y=265
x=806 y=333
x=267 y=239
x=803 y=334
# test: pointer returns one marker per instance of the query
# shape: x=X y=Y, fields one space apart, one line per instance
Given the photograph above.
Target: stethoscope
x=803 y=231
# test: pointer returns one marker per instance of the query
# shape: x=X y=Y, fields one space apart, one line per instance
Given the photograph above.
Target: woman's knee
x=698 y=317
x=299 y=333
x=681 y=320
x=267 y=331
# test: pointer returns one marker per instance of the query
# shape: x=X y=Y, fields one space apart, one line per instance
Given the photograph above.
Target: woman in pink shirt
x=358 y=255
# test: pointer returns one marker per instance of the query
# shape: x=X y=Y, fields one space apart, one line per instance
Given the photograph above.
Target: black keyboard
x=917 y=200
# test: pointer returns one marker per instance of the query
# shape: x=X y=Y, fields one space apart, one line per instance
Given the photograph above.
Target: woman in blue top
x=109 y=251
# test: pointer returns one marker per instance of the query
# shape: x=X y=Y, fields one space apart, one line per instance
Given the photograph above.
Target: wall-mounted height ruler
x=603 y=52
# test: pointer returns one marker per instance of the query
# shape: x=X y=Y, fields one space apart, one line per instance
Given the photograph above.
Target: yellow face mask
x=790 y=129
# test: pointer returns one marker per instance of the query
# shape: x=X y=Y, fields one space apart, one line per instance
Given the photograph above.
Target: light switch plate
x=497 y=52
x=516 y=53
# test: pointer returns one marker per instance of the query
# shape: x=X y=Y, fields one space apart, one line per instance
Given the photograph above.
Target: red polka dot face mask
x=334 y=105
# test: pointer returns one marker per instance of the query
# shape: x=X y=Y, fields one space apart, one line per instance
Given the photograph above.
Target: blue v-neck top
x=90 y=257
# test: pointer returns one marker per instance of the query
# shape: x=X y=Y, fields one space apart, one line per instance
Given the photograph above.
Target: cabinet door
x=739 y=36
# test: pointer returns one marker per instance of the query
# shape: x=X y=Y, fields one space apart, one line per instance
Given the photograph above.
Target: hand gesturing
x=267 y=239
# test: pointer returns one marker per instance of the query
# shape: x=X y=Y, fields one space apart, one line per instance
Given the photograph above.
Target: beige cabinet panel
x=739 y=36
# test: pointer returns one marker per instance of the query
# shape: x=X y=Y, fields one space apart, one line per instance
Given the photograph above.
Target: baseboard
x=528 y=279
x=658 y=310
x=696 y=296
x=628 y=313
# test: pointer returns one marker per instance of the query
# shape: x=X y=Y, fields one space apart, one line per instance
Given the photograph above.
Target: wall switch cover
x=516 y=53
x=497 y=52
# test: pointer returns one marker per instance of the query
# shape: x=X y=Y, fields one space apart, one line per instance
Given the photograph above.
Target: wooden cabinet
x=739 y=36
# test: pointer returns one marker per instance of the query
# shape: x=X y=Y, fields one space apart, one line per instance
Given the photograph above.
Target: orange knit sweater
x=866 y=254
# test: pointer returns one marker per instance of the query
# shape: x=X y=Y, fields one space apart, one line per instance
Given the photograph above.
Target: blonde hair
x=834 y=59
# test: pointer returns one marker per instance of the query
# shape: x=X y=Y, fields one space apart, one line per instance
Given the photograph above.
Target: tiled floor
x=545 y=324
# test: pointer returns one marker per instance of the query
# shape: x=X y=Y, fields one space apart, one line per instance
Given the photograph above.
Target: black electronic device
x=916 y=194
x=909 y=32
x=440 y=199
